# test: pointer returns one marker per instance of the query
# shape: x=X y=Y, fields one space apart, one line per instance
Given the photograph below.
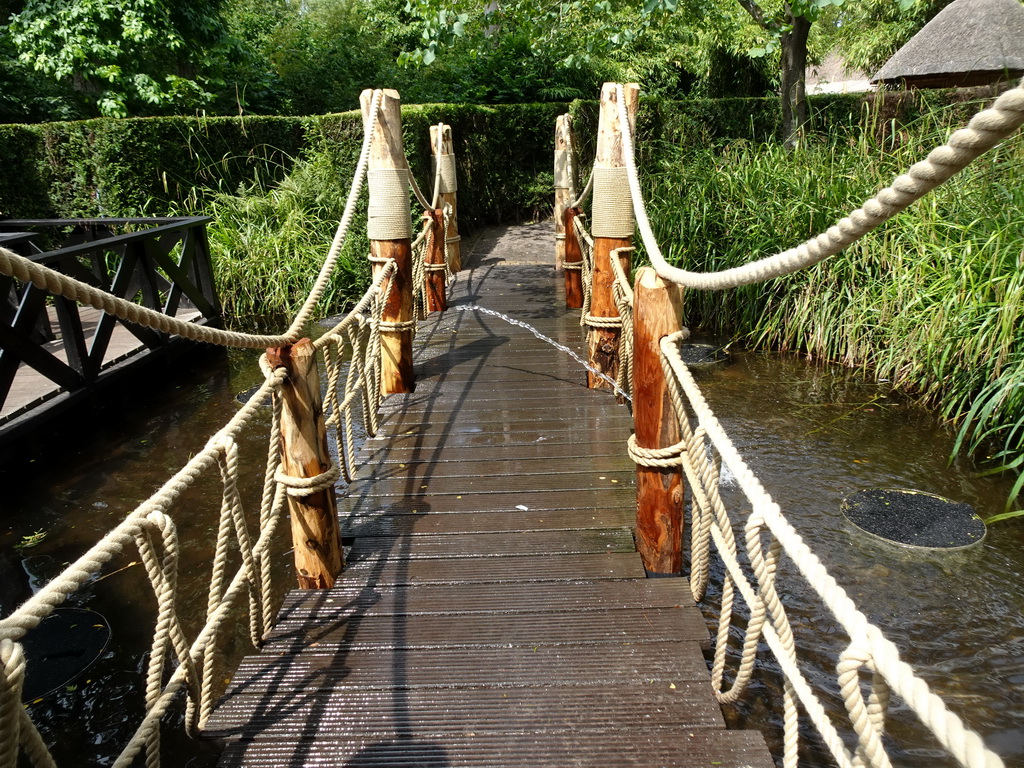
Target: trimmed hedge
x=109 y=167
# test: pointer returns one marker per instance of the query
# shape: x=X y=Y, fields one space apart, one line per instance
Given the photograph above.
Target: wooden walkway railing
x=52 y=350
x=493 y=610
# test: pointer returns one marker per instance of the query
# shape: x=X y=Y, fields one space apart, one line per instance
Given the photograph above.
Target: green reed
x=268 y=241
x=933 y=301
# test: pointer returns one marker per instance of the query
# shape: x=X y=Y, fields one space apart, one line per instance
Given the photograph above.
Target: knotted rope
x=702 y=448
x=174 y=663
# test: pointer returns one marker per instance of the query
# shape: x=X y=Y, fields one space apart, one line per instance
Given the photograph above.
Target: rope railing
x=241 y=563
x=869 y=660
x=28 y=271
x=767 y=536
x=194 y=666
x=985 y=130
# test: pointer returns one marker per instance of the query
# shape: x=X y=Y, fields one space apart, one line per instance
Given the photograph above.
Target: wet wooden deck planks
x=493 y=611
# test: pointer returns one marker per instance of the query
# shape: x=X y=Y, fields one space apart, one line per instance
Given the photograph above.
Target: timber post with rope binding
x=307 y=468
x=564 y=183
x=449 y=192
x=390 y=232
x=613 y=226
x=657 y=312
x=436 y=284
x=572 y=265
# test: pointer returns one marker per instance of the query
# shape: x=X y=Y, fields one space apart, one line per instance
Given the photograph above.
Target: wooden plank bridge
x=493 y=610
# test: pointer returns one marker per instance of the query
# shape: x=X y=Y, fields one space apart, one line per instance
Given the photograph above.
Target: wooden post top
x=609 y=136
x=563 y=127
x=446 y=139
x=386 y=143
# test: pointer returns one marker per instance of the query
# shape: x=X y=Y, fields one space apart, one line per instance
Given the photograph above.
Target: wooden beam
x=314 y=518
x=449 y=198
x=387 y=154
x=563 y=183
x=573 y=255
x=436 y=289
x=657 y=312
x=603 y=342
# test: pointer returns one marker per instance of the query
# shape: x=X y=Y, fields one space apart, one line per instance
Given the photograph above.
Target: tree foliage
x=127 y=53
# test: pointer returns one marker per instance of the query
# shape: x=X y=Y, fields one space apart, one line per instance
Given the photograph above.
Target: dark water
x=813 y=435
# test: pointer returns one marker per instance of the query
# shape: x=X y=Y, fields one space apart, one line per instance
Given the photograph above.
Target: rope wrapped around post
x=612 y=229
x=767 y=536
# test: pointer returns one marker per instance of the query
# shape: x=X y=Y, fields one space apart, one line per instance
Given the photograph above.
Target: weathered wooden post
x=613 y=226
x=389 y=228
x=573 y=263
x=304 y=454
x=563 y=182
x=657 y=312
x=449 y=191
x=436 y=289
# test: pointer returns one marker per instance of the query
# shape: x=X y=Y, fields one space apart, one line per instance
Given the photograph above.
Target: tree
x=126 y=55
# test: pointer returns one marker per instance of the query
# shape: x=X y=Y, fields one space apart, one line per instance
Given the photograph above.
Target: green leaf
x=1004 y=516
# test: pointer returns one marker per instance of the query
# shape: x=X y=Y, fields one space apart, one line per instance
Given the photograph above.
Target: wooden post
x=315 y=533
x=573 y=255
x=657 y=312
x=449 y=196
x=388 y=156
x=436 y=289
x=609 y=233
x=564 y=163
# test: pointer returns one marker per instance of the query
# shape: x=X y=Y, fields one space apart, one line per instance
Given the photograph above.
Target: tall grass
x=933 y=301
x=268 y=242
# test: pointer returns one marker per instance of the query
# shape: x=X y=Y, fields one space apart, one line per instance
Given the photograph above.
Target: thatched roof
x=968 y=37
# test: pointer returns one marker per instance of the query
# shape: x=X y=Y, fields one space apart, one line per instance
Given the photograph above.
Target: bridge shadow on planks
x=493 y=610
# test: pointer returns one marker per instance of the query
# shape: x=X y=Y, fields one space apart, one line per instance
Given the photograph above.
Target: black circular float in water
x=915 y=518
x=702 y=354
x=246 y=396
x=60 y=648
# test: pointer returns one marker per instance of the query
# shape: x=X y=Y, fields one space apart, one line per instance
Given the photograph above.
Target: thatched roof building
x=970 y=42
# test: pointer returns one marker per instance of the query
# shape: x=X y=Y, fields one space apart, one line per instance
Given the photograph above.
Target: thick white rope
x=985 y=130
x=868 y=649
x=154 y=533
x=388 y=216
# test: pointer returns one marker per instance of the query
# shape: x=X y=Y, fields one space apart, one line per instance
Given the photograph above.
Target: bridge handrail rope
x=154 y=533
x=622 y=293
x=706 y=447
x=60 y=284
x=985 y=130
x=150 y=528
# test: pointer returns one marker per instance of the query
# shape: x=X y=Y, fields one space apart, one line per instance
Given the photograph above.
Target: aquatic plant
x=933 y=302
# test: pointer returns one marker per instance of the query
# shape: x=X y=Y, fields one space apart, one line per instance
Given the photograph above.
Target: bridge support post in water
x=657 y=312
x=613 y=226
x=573 y=263
x=436 y=289
x=389 y=228
x=304 y=454
x=564 y=163
x=449 y=191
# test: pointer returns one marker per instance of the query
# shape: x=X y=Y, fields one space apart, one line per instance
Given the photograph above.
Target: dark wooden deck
x=493 y=611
